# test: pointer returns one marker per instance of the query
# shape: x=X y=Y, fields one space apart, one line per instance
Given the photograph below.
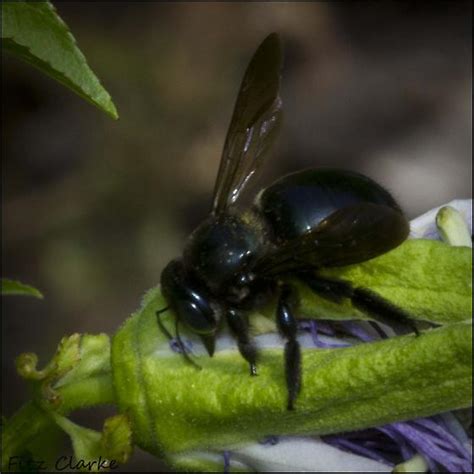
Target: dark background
x=93 y=209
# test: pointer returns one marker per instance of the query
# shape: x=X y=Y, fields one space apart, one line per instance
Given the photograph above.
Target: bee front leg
x=239 y=328
x=287 y=326
x=177 y=338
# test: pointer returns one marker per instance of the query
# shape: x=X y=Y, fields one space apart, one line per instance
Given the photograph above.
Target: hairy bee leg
x=287 y=326
x=239 y=328
x=365 y=300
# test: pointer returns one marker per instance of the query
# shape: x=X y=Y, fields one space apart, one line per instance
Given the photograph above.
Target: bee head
x=191 y=302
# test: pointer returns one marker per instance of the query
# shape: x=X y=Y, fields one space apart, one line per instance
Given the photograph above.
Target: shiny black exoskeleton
x=303 y=222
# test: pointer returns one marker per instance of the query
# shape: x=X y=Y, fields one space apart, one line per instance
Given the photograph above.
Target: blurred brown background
x=93 y=209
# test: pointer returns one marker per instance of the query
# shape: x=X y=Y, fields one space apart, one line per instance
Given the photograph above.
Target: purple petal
x=226 y=461
x=452 y=424
x=339 y=442
x=382 y=446
x=174 y=346
x=323 y=345
x=356 y=330
x=304 y=325
x=406 y=450
x=427 y=447
x=445 y=435
x=326 y=328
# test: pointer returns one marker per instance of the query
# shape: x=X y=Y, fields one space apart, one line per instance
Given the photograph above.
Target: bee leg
x=239 y=328
x=383 y=310
x=287 y=326
x=178 y=340
x=365 y=300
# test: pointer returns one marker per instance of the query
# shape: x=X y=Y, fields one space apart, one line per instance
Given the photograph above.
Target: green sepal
x=94 y=450
x=429 y=279
x=85 y=442
x=66 y=358
x=77 y=371
x=116 y=439
x=90 y=379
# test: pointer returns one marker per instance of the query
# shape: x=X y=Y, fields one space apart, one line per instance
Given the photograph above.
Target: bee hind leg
x=371 y=303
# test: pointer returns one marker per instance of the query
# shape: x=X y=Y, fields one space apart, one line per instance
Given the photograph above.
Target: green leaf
x=175 y=408
x=34 y=32
x=11 y=287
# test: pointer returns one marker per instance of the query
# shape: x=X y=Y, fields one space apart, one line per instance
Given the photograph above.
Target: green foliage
x=34 y=32
x=12 y=287
x=85 y=442
x=117 y=438
x=78 y=376
x=91 y=447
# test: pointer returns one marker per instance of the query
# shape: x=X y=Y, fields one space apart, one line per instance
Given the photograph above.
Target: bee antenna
x=177 y=338
x=160 y=323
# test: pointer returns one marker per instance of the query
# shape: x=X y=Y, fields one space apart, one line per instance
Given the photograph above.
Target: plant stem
x=27 y=423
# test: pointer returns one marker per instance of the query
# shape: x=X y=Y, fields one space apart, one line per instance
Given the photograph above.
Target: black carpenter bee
x=316 y=218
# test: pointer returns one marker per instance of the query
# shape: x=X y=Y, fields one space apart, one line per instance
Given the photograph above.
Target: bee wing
x=257 y=114
x=350 y=235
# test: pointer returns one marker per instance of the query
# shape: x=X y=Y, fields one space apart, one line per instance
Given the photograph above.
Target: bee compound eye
x=198 y=318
